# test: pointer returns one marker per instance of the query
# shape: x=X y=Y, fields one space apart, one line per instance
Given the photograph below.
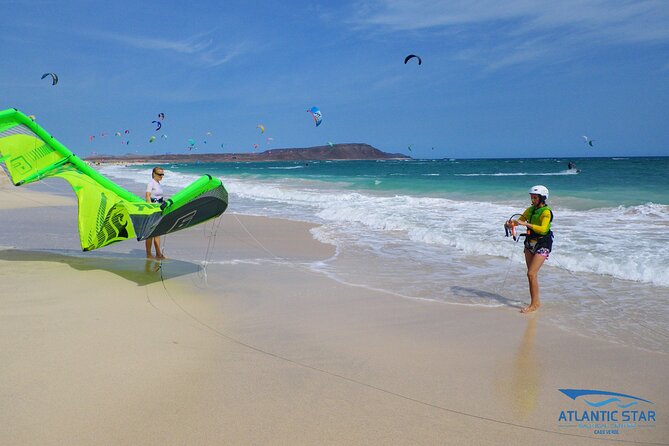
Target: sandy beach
x=110 y=348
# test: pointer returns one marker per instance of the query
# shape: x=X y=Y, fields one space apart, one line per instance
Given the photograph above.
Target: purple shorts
x=544 y=252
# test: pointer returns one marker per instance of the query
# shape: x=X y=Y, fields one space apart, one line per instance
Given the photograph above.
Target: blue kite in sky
x=316 y=113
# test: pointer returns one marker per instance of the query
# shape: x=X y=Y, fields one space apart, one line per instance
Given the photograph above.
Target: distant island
x=328 y=152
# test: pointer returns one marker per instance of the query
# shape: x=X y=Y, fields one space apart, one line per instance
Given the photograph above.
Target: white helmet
x=539 y=190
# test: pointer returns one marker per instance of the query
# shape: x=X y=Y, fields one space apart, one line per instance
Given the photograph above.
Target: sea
x=432 y=230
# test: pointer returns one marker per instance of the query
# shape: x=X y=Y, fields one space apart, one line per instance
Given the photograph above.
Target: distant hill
x=334 y=152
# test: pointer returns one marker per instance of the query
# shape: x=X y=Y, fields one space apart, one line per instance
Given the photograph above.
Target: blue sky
x=499 y=79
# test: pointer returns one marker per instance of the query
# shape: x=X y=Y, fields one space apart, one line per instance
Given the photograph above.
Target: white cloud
x=201 y=48
x=518 y=31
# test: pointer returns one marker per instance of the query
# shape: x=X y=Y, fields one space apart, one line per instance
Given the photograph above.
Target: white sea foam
x=623 y=242
x=518 y=174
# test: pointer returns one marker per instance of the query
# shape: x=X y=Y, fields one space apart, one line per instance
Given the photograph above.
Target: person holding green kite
x=154 y=194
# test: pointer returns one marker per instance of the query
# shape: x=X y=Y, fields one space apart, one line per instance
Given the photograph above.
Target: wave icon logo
x=607 y=413
x=593 y=398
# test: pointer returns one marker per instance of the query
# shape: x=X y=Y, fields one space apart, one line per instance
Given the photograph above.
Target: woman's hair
x=155 y=169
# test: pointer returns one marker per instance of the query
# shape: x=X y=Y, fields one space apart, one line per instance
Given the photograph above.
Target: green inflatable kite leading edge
x=107 y=212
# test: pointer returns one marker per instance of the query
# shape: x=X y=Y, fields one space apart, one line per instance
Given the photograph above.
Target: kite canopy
x=411 y=56
x=316 y=113
x=107 y=213
x=54 y=77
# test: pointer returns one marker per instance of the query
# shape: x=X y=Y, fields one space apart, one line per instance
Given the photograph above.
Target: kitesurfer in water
x=571 y=165
x=154 y=194
x=538 y=240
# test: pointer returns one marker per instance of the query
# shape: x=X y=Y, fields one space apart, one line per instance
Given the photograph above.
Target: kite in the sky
x=161 y=116
x=261 y=127
x=411 y=56
x=588 y=141
x=54 y=77
x=153 y=138
x=316 y=113
x=158 y=125
x=107 y=213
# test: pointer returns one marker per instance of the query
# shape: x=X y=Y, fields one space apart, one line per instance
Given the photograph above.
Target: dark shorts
x=538 y=247
x=157 y=200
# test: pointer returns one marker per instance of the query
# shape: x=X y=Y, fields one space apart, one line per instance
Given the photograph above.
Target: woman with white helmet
x=538 y=240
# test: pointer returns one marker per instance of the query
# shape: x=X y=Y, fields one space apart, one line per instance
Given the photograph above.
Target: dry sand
x=112 y=350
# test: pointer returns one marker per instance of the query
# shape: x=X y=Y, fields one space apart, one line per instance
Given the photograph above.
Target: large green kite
x=107 y=212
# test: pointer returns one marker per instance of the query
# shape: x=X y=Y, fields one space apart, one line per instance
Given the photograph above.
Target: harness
x=534 y=240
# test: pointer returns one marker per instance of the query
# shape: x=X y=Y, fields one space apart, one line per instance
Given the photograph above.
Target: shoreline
x=259 y=348
x=467 y=279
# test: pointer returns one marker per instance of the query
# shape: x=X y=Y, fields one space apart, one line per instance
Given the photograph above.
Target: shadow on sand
x=129 y=266
x=473 y=292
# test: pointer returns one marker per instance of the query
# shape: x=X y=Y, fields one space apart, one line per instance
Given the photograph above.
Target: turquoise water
x=601 y=182
x=433 y=230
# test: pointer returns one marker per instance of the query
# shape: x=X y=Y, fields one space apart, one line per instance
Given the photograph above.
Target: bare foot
x=149 y=256
x=530 y=308
x=161 y=257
